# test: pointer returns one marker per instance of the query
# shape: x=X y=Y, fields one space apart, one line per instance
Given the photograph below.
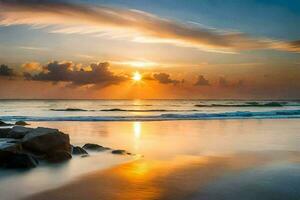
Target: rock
x=76 y=150
x=4 y=132
x=7 y=146
x=11 y=156
x=18 y=132
x=4 y=124
x=120 y=152
x=58 y=156
x=21 y=123
x=45 y=141
x=94 y=147
x=20 y=160
x=21 y=146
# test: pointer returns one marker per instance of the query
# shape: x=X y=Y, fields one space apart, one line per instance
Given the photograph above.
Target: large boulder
x=18 y=132
x=4 y=132
x=94 y=147
x=11 y=156
x=46 y=142
x=58 y=156
x=20 y=160
x=20 y=147
x=76 y=150
x=7 y=148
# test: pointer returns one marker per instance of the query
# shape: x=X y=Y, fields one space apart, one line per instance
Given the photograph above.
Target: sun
x=136 y=76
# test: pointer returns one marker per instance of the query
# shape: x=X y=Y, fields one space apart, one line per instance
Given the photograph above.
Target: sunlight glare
x=137 y=76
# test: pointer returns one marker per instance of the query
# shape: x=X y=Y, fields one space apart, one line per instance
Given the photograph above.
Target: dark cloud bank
x=99 y=74
x=201 y=81
x=6 y=71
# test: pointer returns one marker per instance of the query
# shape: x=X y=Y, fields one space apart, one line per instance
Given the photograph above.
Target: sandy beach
x=187 y=177
x=213 y=159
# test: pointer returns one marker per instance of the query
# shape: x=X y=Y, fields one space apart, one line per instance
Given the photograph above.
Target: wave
x=277 y=114
x=247 y=104
x=141 y=110
x=121 y=110
x=70 y=109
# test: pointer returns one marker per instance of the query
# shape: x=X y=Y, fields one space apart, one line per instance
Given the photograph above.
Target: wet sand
x=188 y=177
x=205 y=159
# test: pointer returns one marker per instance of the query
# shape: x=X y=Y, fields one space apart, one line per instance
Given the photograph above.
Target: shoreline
x=180 y=178
x=176 y=152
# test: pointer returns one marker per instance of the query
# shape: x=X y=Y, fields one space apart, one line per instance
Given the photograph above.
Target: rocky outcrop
x=18 y=132
x=94 y=147
x=20 y=147
x=21 y=123
x=4 y=124
x=20 y=160
x=120 y=152
x=4 y=132
x=44 y=141
x=11 y=156
x=58 y=156
x=76 y=150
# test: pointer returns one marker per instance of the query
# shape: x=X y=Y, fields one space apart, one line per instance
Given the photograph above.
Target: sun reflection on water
x=137 y=131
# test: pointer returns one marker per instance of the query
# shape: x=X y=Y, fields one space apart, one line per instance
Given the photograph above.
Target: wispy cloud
x=33 y=48
x=140 y=26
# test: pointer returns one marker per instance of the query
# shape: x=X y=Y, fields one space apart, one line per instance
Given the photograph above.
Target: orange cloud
x=32 y=67
x=137 y=25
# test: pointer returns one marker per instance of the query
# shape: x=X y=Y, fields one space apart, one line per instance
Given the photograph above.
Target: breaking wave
x=275 y=114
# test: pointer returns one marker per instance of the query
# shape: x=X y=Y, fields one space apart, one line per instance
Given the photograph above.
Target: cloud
x=32 y=67
x=33 y=48
x=70 y=18
x=98 y=74
x=201 y=81
x=164 y=78
x=6 y=71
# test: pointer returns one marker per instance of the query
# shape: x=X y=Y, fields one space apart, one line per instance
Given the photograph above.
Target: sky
x=141 y=49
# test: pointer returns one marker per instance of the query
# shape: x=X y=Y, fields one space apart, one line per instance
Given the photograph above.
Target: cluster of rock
x=19 y=123
x=22 y=147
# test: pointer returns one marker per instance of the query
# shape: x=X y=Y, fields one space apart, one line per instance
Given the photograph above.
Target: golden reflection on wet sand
x=178 y=178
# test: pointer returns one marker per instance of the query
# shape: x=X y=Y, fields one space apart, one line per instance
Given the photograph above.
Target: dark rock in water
x=94 y=147
x=21 y=123
x=120 y=152
x=4 y=124
x=20 y=160
x=76 y=150
x=69 y=109
x=18 y=132
x=20 y=146
x=11 y=156
x=58 y=156
x=44 y=141
x=4 y=132
x=6 y=147
x=273 y=104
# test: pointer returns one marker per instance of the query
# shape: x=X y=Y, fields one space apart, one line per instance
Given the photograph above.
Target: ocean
x=184 y=149
x=144 y=110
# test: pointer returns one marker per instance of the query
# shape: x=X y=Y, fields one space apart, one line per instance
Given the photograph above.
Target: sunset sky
x=124 y=49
